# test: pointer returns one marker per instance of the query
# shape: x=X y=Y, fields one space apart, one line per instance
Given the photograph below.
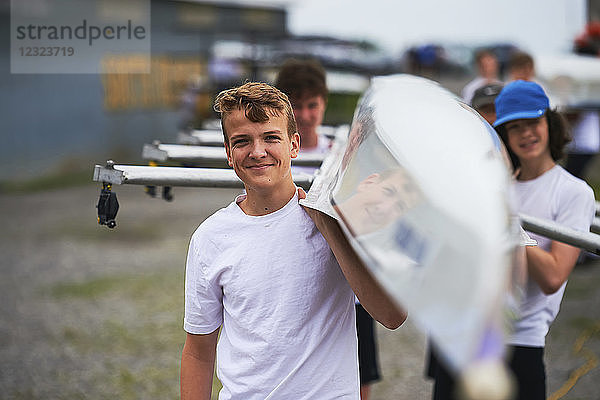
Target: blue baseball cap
x=520 y=100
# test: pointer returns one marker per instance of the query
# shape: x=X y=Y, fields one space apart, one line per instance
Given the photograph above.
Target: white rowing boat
x=422 y=192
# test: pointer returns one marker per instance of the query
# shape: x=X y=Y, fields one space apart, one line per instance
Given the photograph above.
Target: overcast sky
x=539 y=26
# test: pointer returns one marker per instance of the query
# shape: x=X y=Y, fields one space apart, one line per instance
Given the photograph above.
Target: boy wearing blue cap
x=535 y=136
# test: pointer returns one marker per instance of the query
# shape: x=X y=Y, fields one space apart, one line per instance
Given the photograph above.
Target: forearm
x=370 y=294
x=196 y=379
x=550 y=269
x=197 y=371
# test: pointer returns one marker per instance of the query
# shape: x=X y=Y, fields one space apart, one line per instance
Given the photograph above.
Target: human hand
x=321 y=220
x=301 y=194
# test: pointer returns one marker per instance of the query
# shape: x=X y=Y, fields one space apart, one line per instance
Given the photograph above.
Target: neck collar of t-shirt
x=543 y=176
x=290 y=205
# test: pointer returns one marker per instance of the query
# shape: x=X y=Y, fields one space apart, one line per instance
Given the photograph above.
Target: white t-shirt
x=286 y=310
x=558 y=196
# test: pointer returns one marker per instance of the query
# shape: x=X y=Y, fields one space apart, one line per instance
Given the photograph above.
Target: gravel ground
x=96 y=314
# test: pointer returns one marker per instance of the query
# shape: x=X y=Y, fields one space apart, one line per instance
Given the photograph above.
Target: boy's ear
x=295 y=145
x=228 y=152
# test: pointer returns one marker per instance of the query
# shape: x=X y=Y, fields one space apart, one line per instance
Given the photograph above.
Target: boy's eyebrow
x=242 y=135
x=238 y=135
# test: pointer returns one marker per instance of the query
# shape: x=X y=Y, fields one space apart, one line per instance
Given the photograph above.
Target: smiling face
x=529 y=139
x=261 y=152
x=379 y=201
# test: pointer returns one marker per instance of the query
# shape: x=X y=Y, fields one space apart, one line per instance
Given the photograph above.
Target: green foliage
x=340 y=108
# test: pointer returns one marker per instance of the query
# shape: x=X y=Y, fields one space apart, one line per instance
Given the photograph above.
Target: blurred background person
x=586 y=140
x=521 y=67
x=483 y=101
x=194 y=102
x=487 y=72
x=304 y=81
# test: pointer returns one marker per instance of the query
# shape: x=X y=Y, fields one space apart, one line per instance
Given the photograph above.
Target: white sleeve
x=203 y=297
x=577 y=208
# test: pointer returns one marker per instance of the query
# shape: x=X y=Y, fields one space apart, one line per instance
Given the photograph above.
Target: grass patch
x=56 y=180
x=23 y=394
x=155 y=381
x=71 y=171
x=134 y=333
x=128 y=231
x=140 y=287
x=85 y=290
x=135 y=341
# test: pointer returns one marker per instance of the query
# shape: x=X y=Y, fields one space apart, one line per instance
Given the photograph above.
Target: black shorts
x=444 y=382
x=367 y=349
x=527 y=363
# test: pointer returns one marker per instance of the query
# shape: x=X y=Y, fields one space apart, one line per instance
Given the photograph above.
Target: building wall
x=51 y=121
